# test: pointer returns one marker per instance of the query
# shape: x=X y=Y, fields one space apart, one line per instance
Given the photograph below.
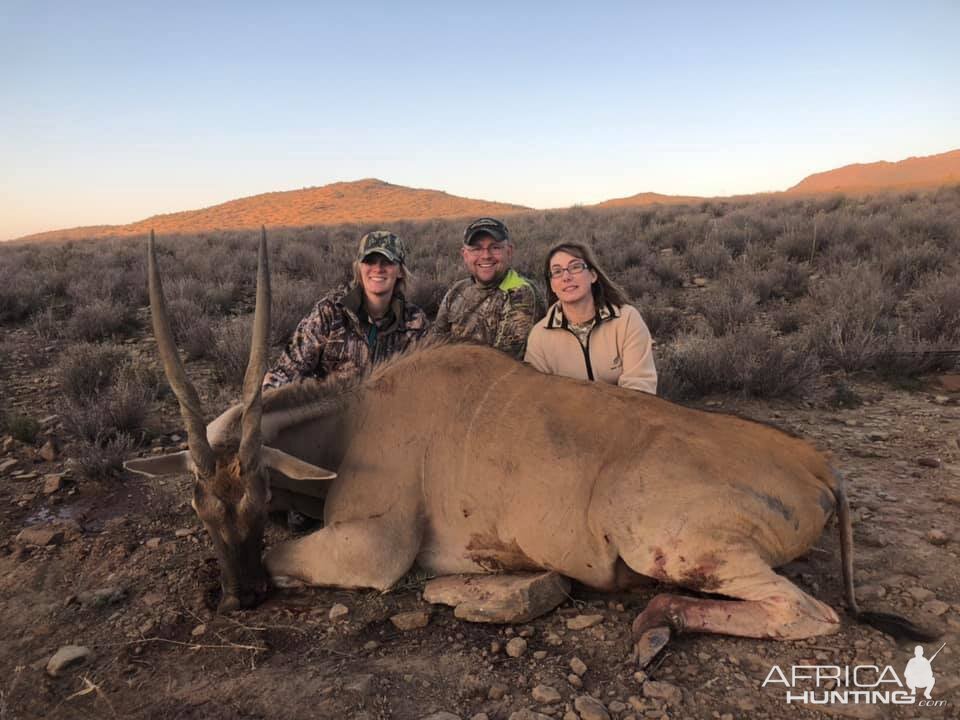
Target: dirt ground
x=128 y=574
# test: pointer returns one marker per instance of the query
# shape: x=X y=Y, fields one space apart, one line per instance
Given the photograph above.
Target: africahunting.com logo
x=859 y=684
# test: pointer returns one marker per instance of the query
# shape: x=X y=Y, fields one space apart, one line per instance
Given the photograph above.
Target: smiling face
x=487 y=259
x=378 y=275
x=571 y=288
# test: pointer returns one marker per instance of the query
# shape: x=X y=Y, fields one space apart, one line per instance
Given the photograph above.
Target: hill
x=649 y=198
x=367 y=200
x=914 y=172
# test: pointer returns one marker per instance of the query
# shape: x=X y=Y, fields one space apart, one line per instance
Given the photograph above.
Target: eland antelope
x=462 y=460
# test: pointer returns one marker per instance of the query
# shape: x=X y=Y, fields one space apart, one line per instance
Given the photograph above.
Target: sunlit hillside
x=367 y=200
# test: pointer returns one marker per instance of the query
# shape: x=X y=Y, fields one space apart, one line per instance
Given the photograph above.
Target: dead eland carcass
x=462 y=460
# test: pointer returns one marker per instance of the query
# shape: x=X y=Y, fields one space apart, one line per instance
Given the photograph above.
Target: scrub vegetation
x=760 y=297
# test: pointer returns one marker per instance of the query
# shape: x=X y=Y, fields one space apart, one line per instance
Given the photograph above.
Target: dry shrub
x=23 y=427
x=668 y=270
x=292 y=300
x=727 y=305
x=101 y=319
x=750 y=361
x=851 y=319
x=20 y=296
x=663 y=321
x=780 y=280
x=88 y=369
x=710 y=259
x=101 y=461
x=231 y=350
x=935 y=310
x=906 y=264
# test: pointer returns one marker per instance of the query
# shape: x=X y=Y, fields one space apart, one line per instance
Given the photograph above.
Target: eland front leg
x=372 y=552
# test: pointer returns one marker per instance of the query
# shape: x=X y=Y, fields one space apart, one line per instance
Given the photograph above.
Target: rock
x=637 y=704
x=582 y=622
x=935 y=607
x=371 y=645
x=175 y=438
x=66 y=656
x=950 y=382
x=930 y=462
x=412 y=620
x=102 y=596
x=878 y=436
x=590 y=709
x=52 y=483
x=937 y=537
x=516 y=647
x=545 y=695
x=575 y=680
x=551 y=638
x=527 y=714
x=49 y=451
x=700 y=281
x=496 y=692
x=921 y=594
x=362 y=685
x=153 y=543
x=339 y=610
x=199 y=630
x=540 y=655
x=184 y=532
x=514 y=598
x=659 y=690
x=41 y=536
x=616 y=707
x=480 y=716
x=152 y=599
x=7 y=464
x=578 y=666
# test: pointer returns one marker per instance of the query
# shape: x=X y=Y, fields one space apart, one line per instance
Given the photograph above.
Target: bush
x=934 y=311
x=101 y=461
x=727 y=305
x=88 y=369
x=231 y=350
x=102 y=319
x=749 y=361
x=22 y=427
x=852 y=320
x=709 y=259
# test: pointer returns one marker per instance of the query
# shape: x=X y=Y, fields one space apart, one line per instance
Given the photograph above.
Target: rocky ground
x=105 y=590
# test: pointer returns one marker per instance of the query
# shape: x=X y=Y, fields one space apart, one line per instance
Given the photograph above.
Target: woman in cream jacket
x=590 y=332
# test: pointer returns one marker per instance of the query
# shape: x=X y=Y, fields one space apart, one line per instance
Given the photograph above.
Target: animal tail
x=899 y=627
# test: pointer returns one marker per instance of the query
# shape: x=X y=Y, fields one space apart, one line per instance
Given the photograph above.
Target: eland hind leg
x=373 y=552
x=767 y=606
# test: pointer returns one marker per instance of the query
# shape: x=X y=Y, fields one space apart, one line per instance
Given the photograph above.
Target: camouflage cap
x=486 y=226
x=383 y=242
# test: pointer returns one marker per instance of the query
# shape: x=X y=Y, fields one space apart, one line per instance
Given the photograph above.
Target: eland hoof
x=650 y=643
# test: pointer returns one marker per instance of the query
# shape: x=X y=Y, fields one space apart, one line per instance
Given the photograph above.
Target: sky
x=115 y=111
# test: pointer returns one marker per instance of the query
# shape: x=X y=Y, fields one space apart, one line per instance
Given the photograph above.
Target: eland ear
x=294 y=468
x=158 y=465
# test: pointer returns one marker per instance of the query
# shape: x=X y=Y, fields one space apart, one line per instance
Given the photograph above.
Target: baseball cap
x=486 y=226
x=383 y=242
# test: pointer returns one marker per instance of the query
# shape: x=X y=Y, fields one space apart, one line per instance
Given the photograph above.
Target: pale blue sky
x=113 y=111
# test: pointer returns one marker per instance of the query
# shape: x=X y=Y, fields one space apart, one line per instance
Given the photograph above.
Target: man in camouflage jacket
x=338 y=338
x=496 y=305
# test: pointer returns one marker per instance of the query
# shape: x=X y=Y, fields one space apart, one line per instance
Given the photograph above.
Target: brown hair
x=605 y=290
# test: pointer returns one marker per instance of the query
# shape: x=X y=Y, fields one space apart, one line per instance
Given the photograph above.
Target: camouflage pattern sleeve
x=518 y=316
x=303 y=353
x=441 y=325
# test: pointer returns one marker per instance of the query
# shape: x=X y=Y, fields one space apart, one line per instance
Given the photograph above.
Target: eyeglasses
x=493 y=249
x=574 y=268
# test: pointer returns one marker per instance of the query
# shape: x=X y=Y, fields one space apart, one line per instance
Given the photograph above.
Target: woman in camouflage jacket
x=355 y=326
